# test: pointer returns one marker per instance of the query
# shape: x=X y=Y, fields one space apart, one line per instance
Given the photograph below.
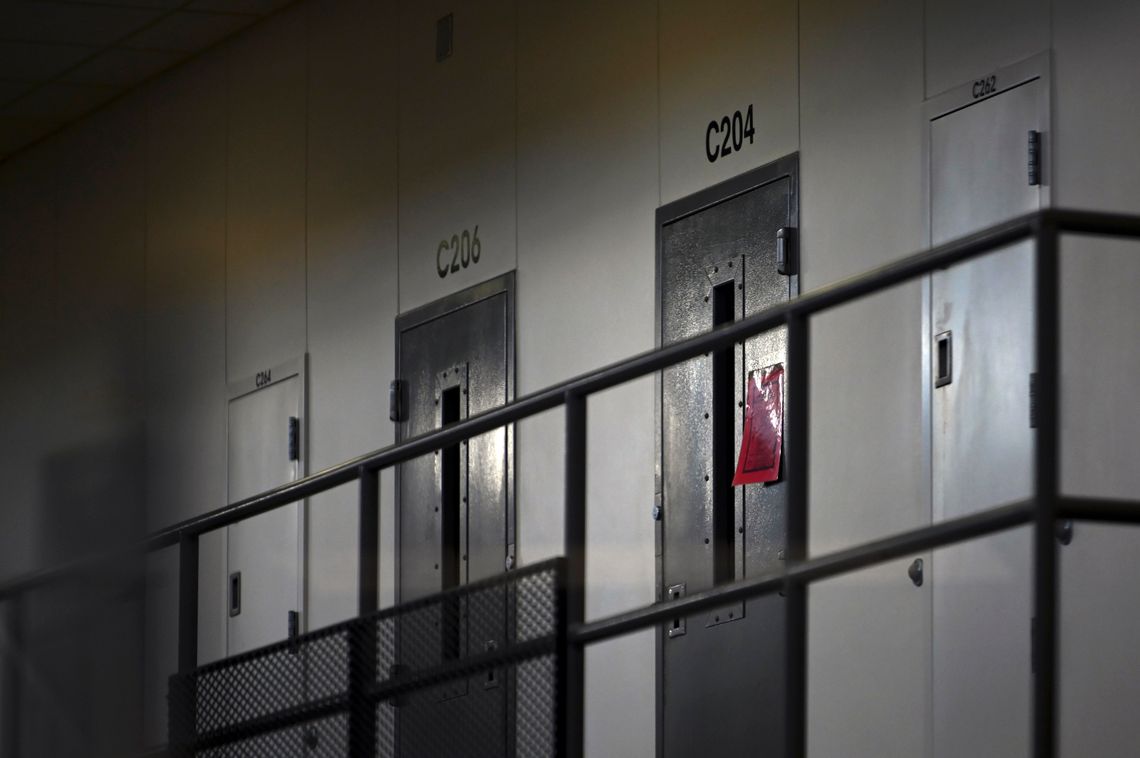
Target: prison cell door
x=721 y=673
x=982 y=359
x=455 y=514
x=264 y=554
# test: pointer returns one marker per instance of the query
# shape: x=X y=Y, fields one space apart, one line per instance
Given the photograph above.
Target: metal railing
x=1042 y=509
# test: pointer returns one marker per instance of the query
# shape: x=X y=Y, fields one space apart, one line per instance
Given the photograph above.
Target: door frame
x=502 y=284
x=781 y=168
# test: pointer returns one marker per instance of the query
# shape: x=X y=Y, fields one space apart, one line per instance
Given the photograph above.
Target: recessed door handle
x=943 y=359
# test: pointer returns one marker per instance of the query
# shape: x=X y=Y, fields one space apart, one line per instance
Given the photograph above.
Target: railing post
x=10 y=688
x=795 y=592
x=182 y=698
x=571 y=681
x=362 y=642
x=1046 y=491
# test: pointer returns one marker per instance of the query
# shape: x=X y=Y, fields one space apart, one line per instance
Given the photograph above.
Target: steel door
x=982 y=443
x=722 y=674
x=264 y=553
x=455 y=358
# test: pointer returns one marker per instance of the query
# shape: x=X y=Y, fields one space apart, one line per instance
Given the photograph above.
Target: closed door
x=982 y=359
x=721 y=673
x=455 y=517
x=264 y=577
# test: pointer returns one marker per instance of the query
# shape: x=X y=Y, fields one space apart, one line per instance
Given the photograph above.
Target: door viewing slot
x=724 y=439
x=450 y=513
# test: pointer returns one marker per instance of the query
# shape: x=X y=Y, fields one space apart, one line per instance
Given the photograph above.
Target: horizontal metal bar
x=1099 y=509
x=840 y=562
x=1093 y=222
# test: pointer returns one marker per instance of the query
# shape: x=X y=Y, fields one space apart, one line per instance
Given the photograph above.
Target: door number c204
x=464 y=248
x=728 y=134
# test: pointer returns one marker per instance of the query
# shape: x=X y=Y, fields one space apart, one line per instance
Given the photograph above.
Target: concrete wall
x=286 y=192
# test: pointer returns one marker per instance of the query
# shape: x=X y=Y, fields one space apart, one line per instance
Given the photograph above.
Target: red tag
x=763 y=428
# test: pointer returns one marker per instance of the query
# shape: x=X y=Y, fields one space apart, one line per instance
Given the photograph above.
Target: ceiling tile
x=120 y=67
x=72 y=24
x=189 y=32
x=260 y=7
x=17 y=133
x=60 y=101
x=167 y=4
x=26 y=62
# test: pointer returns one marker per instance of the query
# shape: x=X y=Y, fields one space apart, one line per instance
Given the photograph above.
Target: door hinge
x=1033 y=400
x=396 y=393
x=786 y=251
x=294 y=438
x=1034 y=158
x=294 y=631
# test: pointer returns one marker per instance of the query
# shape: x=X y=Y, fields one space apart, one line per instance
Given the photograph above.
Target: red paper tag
x=763 y=428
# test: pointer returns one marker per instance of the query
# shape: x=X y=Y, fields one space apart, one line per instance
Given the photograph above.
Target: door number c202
x=464 y=249
x=728 y=134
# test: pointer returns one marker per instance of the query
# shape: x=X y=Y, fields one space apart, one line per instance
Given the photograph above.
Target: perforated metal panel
x=305 y=697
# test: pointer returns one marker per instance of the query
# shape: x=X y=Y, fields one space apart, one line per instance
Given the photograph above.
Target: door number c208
x=728 y=134
x=464 y=248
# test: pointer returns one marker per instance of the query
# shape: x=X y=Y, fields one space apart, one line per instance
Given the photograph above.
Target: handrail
x=593 y=381
x=1041 y=510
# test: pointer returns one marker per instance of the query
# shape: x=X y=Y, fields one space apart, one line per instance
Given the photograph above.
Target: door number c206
x=464 y=248
x=728 y=134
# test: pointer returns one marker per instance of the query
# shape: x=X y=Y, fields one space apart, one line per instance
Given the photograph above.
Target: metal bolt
x=657 y=513
x=510 y=562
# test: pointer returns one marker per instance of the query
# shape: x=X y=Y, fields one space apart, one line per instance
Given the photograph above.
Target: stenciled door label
x=726 y=135
x=455 y=254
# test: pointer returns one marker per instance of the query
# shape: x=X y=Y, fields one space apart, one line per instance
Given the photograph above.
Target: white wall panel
x=457 y=144
x=352 y=119
x=30 y=367
x=969 y=38
x=265 y=221
x=185 y=367
x=92 y=488
x=861 y=206
x=587 y=193
x=717 y=58
x=1097 y=101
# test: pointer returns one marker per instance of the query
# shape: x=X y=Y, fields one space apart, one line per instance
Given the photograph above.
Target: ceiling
x=62 y=59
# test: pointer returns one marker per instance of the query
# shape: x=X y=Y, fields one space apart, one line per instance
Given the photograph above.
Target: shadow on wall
x=77 y=646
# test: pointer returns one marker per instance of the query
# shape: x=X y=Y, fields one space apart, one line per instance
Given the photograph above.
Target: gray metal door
x=721 y=675
x=455 y=513
x=264 y=554
x=982 y=442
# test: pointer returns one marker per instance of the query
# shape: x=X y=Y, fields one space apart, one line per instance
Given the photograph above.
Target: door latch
x=915 y=572
x=677 y=625
x=785 y=251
